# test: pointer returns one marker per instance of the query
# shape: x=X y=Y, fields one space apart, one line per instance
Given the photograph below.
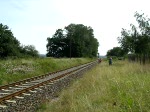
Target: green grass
x=122 y=87
x=14 y=70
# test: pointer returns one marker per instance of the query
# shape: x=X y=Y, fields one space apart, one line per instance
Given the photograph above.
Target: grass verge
x=14 y=70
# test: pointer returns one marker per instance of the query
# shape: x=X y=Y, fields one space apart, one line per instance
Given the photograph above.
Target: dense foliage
x=10 y=46
x=75 y=40
x=137 y=40
x=116 y=51
x=29 y=51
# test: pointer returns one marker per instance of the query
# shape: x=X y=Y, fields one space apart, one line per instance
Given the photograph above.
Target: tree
x=29 y=51
x=75 y=40
x=81 y=40
x=57 y=45
x=116 y=51
x=137 y=40
x=9 y=45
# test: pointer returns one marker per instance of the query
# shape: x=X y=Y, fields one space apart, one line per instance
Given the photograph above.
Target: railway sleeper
x=10 y=101
x=26 y=94
x=3 y=106
x=19 y=97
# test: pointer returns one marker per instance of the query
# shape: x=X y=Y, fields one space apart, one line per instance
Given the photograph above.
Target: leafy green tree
x=75 y=40
x=9 y=45
x=137 y=40
x=57 y=45
x=82 y=41
x=29 y=51
x=116 y=51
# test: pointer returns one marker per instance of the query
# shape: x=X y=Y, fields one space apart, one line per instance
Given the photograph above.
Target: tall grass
x=122 y=87
x=14 y=70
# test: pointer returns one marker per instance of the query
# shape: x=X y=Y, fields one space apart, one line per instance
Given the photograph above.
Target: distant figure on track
x=110 y=61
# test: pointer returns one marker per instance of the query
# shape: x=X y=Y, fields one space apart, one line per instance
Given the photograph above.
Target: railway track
x=15 y=90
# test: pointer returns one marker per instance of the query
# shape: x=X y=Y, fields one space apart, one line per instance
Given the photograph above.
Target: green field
x=14 y=70
x=122 y=87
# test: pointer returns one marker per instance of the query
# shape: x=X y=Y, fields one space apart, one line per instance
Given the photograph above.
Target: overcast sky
x=32 y=21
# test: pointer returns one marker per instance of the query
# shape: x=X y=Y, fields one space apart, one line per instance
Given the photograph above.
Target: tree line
x=75 y=40
x=135 y=43
x=10 y=47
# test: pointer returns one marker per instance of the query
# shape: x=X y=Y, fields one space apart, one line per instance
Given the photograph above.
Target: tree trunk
x=144 y=59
